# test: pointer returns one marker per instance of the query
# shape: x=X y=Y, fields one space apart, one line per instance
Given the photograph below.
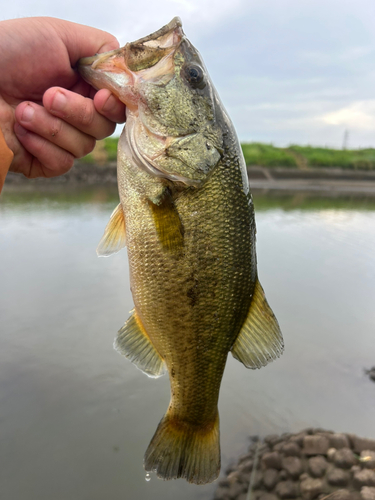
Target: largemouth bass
x=187 y=218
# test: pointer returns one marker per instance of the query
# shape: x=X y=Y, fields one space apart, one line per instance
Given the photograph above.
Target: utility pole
x=345 y=141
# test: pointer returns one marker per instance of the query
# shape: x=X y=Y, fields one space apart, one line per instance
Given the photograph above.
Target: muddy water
x=76 y=418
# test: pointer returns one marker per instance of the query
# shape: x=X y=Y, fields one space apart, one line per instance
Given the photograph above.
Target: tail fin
x=179 y=449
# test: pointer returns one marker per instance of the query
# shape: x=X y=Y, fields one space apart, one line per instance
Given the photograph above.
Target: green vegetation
x=267 y=155
x=104 y=151
x=361 y=159
x=303 y=157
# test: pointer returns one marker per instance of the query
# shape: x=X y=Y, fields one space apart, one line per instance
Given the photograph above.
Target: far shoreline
x=324 y=180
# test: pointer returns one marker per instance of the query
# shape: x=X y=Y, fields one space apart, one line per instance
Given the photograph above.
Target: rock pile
x=313 y=464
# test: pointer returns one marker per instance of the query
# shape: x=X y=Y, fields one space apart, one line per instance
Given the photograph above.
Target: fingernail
x=19 y=130
x=28 y=113
x=59 y=102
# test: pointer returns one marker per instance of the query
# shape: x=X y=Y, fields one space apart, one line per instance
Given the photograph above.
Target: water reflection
x=76 y=418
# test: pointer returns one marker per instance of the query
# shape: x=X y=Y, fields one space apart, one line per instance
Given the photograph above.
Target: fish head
x=172 y=129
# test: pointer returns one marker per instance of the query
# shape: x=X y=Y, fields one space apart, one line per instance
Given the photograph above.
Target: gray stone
x=245 y=477
x=287 y=489
x=278 y=446
x=338 y=477
x=224 y=483
x=283 y=475
x=318 y=465
x=233 y=477
x=221 y=493
x=368 y=459
x=246 y=466
x=273 y=439
x=365 y=477
x=331 y=453
x=245 y=458
x=315 y=445
x=355 y=495
x=298 y=438
x=361 y=444
x=291 y=449
x=256 y=494
x=368 y=493
x=304 y=476
x=264 y=448
x=268 y=496
x=271 y=459
x=339 y=441
x=311 y=488
x=342 y=494
x=344 y=458
x=293 y=466
x=236 y=489
x=257 y=481
x=270 y=478
x=243 y=496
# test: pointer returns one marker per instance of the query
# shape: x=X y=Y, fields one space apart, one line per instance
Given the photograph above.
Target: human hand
x=48 y=114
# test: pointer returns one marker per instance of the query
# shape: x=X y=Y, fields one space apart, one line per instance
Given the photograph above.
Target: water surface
x=76 y=417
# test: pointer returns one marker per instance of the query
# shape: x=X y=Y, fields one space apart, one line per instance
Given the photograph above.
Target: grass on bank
x=304 y=157
x=267 y=155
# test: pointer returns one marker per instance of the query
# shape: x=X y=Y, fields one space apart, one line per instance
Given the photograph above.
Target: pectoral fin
x=168 y=224
x=114 y=237
x=133 y=342
x=260 y=340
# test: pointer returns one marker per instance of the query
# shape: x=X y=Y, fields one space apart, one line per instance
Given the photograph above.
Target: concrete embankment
x=322 y=179
x=283 y=179
x=312 y=464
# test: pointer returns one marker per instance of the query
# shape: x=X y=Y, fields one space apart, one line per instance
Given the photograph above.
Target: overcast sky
x=288 y=71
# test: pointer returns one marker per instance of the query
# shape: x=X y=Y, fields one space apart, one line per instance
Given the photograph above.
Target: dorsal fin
x=260 y=340
x=114 y=237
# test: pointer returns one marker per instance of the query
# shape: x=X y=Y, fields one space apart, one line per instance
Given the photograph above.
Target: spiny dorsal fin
x=133 y=342
x=168 y=224
x=114 y=237
x=260 y=340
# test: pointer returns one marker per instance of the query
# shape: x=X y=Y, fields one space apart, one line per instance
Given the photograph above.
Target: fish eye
x=194 y=75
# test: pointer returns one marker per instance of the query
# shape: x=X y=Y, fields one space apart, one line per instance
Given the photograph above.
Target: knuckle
x=88 y=146
x=88 y=114
x=66 y=163
x=56 y=127
x=106 y=130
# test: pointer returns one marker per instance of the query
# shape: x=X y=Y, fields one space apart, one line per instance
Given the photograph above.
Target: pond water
x=76 y=417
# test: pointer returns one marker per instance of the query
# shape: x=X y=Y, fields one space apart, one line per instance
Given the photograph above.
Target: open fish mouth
x=149 y=58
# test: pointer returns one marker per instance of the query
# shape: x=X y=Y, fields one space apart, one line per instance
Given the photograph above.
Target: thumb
x=83 y=41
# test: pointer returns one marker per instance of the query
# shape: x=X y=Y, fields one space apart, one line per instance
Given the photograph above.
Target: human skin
x=48 y=115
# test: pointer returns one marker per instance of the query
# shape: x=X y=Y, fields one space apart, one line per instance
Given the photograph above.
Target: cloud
x=358 y=115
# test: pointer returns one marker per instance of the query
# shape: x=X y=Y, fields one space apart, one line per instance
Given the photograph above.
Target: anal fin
x=114 y=237
x=260 y=340
x=133 y=342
